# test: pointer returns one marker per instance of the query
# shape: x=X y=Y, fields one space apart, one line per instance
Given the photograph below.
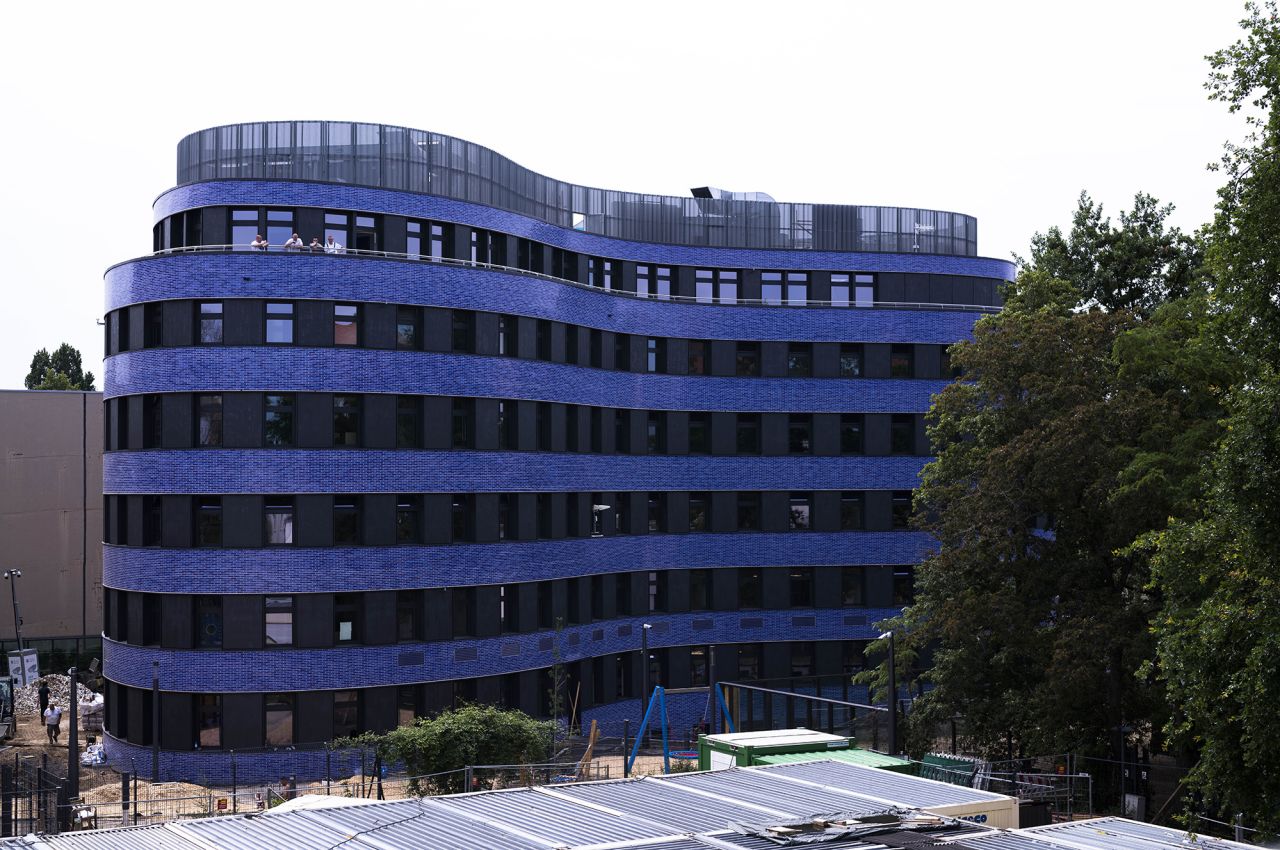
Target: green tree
x=1073 y=433
x=61 y=370
x=1137 y=266
x=1218 y=633
x=470 y=735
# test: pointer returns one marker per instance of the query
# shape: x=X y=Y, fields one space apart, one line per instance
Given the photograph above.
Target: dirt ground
x=31 y=740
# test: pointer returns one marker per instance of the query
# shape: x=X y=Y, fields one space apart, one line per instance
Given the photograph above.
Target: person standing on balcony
x=332 y=246
x=260 y=243
x=294 y=243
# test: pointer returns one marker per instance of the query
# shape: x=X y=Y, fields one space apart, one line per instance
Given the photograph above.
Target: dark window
x=801 y=584
x=571 y=428
x=504 y=515
x=747 y=359
x=699 y=357
x=461 y=517
x=208 y=622
x=542 y=425
x=852 y=583
x=597 y=348
x=542 y=507
x=750 y=587
x=902 y=434
x=346 y=420
x=622 y=431
x=799 y=360
x=463 y=419
x=658 y=591
x=209 y=315
x=748 y=433
x=902 y=361
x=904 y=584
x=699 y=433
x=346 y=324
x=571 y=345
x=851 y=511
x=655 y=354
x=346 y=618
x=151 y=519
x=346 y=520
x=278 y=620
x=656 y=432
x=408 y=328
x=542 y=339
x=464 y=332
x=799 y=515
x=851 y=433
x=279 y=720
x=508 y=336
x=279 y=323
x=408 y=422
x=620 y=513
x=749 y=661
x=901 y=509
x=277 y=420
x=407 y=704
x=622 y=352
x=152 y=325
x=408 y=519
x=408 y=615
x=366 y=233
x=208 y=521
x=748 y=511
x=851 y=360
x=279 y=521
x=699 y=590
x=208 y=721
x=851 y=657
x=151 y=421
x=209 y=420
x=800 y=433
x=508 y=425
x=346 y=713
x=698 y=675
x=622 y=594
x=657 y=512
x=802 y=658
x=509 y=608
x=699 y=510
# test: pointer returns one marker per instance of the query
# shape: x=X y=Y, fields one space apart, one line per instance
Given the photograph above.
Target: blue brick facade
x=163 y=574
x=286 y=669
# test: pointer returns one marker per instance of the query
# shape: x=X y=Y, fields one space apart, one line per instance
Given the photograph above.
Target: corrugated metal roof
x=1122 y=834
x=790 y=799
x=1014 y=840
x=284 y=831
x=865 y=758
x=881 y=784
x=421 y=823
x=151 y=837
x=551 y=817
x=664 y=803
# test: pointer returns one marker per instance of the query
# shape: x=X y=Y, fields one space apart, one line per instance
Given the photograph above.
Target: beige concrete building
x=51 y=521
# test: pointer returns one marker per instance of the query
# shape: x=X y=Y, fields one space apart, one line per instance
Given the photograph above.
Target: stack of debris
x=27 y=699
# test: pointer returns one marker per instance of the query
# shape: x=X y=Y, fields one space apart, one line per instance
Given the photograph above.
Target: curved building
x=498 y=426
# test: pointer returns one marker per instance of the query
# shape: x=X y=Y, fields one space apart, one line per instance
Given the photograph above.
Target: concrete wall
x=51 y=512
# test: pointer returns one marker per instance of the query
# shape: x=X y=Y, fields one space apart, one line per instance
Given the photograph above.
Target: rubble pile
x=27 y=699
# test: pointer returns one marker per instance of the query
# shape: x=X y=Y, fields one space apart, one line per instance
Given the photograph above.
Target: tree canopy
x=470 y=735
x=61 y=370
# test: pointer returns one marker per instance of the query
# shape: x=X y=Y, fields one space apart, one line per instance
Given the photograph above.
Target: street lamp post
x=893 y=696
x=12 y=577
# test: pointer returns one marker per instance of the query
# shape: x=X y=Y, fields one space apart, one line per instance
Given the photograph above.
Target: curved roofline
x=395 y=157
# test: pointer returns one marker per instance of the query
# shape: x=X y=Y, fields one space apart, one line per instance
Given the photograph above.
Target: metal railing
x=473 y=264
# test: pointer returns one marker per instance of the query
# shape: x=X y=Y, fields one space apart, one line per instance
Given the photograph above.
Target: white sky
x=1003 y=110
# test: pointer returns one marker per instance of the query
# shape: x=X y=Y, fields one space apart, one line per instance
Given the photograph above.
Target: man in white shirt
x=53 y=722
x=259 y=243
x=294 y=243
x=332 y=246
